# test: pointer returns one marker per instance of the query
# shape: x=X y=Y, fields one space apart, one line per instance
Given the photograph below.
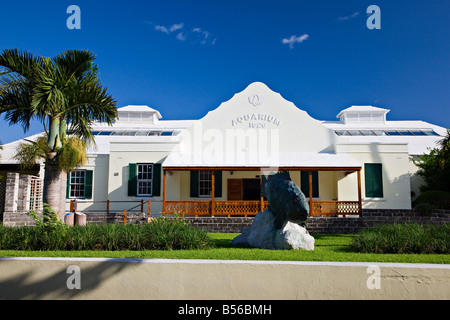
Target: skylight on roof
x=394 y=133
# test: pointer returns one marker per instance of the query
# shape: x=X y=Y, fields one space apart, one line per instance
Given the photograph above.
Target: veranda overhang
x=258 y=161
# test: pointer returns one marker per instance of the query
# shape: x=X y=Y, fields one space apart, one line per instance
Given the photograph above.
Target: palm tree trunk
x=55 y=180
x=53 y=185
x=54 y=138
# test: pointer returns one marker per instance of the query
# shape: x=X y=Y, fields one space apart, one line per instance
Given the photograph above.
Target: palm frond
x=21 y=62
x=29 y=154
x=72 y=155
x=15 y=104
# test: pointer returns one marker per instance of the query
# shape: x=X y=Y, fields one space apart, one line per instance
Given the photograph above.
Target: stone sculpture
x=282 y=226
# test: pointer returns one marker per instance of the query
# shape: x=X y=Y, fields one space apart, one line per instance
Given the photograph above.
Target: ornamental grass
x=404 y=239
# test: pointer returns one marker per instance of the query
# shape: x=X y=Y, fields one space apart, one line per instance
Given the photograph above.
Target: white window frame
x=143 y=179
x=81 y=182
x=202 y=181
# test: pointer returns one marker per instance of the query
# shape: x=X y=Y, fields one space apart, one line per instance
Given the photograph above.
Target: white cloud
x=196 y=34
x=205 y=36
x=162 y=29
x=181 y=36
x=176 y=27
x=349 y=17
x=295 y=39
x=171 y=29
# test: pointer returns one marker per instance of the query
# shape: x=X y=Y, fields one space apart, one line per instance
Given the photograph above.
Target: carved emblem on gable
x=256 y=100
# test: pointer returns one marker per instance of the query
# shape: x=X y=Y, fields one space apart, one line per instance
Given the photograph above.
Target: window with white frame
x=144 y=179
x=77 y=184
x=204 y=183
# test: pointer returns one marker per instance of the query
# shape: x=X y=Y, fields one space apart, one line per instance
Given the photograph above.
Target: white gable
x=256 y=121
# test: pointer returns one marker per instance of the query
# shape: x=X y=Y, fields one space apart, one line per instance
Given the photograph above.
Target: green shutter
x=132 y=180
x=88 y=175
x=373 y=180
x=304 y=186
x=218 y=184
x=68 y=186
x=194 y=184
x=315 y=183
x=156 y=192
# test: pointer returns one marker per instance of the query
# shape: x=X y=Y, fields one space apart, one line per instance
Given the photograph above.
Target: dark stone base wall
x=16 y=219
x=316 y=224
x=221 y=224
x=105 y=218
x=323 y=224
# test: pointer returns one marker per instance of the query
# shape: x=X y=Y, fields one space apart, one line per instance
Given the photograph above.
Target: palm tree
x=65 y=94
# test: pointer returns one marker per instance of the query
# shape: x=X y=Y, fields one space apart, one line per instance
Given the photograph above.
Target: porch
x=229 y=208
x=211 y=208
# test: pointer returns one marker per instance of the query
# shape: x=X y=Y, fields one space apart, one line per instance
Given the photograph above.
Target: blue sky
x=185 y=57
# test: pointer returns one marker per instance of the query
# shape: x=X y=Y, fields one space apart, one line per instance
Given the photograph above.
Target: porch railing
x=332 y=208
x=251 y=208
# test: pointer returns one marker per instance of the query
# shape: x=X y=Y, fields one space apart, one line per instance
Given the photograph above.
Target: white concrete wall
x=396 y=174
x=138 y=279
x=100 y=167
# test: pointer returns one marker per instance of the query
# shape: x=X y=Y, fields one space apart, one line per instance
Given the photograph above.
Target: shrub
x=403 y=238
x=440 y=199
x=160 y=234
x=425 y=209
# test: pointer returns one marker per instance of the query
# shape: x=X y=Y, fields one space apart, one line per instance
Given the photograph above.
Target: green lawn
x=327 y=248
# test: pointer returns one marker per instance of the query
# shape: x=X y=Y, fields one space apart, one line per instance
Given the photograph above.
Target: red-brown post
x=149 y=208
x=262 y=198
x=359 y=193
x=164 y=191
x=125 y=216
x=213 y=182
x=311 y=207
x=142 y=206
x=107 y=206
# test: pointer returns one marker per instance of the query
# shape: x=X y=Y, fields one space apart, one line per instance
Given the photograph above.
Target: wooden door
x=235 y=189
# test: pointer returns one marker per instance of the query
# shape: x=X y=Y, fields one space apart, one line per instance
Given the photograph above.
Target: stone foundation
x=316 y=224
x=323 y=224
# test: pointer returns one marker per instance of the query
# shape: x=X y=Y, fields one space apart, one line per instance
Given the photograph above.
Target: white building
x=214 y=165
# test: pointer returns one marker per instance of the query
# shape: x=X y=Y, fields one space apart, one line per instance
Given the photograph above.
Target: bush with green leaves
x=404 y=238
x=439 y=199
x=425 y=209
x=159 y=234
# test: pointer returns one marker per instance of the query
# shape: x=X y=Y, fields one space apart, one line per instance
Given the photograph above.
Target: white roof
x=363 y=109
x=144 y=109
x=254 y=160
x=164 y=124
x=10 y=149
x=417 y=145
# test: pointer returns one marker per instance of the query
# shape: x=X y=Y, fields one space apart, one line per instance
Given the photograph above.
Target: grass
x=334 y=247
